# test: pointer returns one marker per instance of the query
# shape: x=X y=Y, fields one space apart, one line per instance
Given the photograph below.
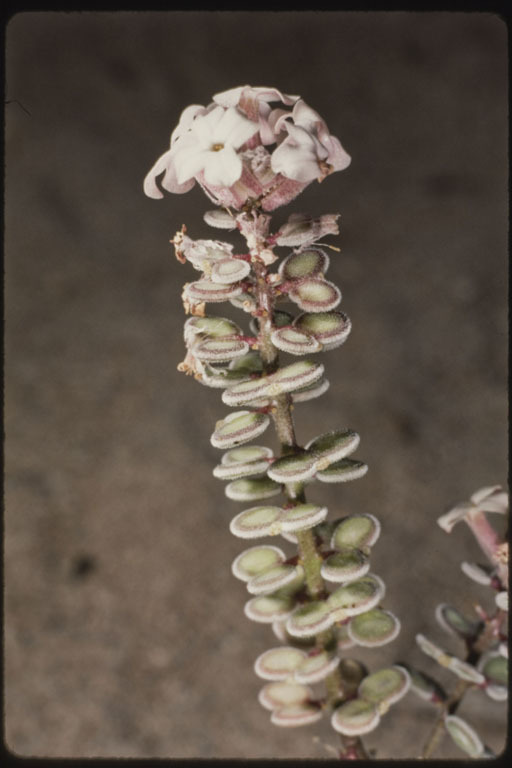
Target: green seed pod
x=280 y=318
x=279 y=694
x=268 y=608
x=311 y=262
x=356 y=531
x=464 y=736
x=333 y=446
x=205 y=290
x=316 y=667
x=453 y=622
x=293 y=377
x=294 y=342
x=302 y=517
x=252 y=489
x=239 y=427
x=279 y=663
x=373 y=628
x=343 y=639
x=247 y=391
x=311 y=392
x=356 y=597
x=309 y=619
x=298 y=714
x=329 y=328
x=250 y=363
x=220 y=350
x=236 y=471
x=345 y=566
x=342 y=471
x=229 y=271
x=274 y=578
x=243 y=300
x=254 y=560
x=220 y=377
x=214 y=327
x=220 y=218
x=296 y=467
x=256 y=521
x=494 y=667
x=313 y=294
x=355 y=718
x=385 y=687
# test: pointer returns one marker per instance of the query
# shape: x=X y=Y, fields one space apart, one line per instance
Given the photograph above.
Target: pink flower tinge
x=240 y=149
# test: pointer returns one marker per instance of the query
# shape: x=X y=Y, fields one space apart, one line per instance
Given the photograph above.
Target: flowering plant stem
x=310 y=559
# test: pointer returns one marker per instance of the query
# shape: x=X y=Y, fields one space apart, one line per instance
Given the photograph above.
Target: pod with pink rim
x=311 y=392
x=229 y=271
x=314 y=294
x=252 y=489
x=356 y=597
x=301 y=517
x=309 y=619
x=296 y=467
x=213 y=327
x=294 y=341
x=455 y=623
x=273 y=578
x=221 y=377
x=203 y=253
x=205 y=290
x=494 y=666
x=220 y=350
x=255 y=560
x=279 y=663
x=464 y=736
x=460 y=668
x=373 y=628
x=386 y=686
x=309 y=262
x=243 y=300
x=316 y=667
x=256 y=521
x=239 y=427
x=346 y=565
x=356 y=531
x=355 y=718
x=329 y=328
x=277 y=694
x=220 y=218
x=236 y=471
x=296 y=715
x=249 y=364
x=266 y=609
x=333 y=446
x=295 y=376
x=246 y=391
x=342 y=471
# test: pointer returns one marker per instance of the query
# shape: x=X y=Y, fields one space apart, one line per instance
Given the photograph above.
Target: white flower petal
x=203 y=128
x=222 y=168
x=189 y=162
x=234 y=129
x=186 y=119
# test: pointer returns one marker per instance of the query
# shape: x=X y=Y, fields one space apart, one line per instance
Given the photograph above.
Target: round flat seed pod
x=479 y=573
x=307 y=263
x=432 y=650
x=356 y=531
x=497 y=692
x=294 y=468
x=373 y=628
x=235 y=471
x=501 y=599
x=295 y=342
x=356 y=597
x=299 y=714
x=352 y=672
x=465 y=671
x=266 y=609
x=239 y=427
x=241 y=394
x=494 y=667
x=311 y=392
x=316 y=667
x=243 y=300
x=255 y=560
x=455 y=623
x=293 y=586
x=355 y=717
x=247 y=453
x=343 y=639
x=229 y=271
x=255 y=522
x=425 y=686
x=333 y=446
x=252 y=489
x=329 y=328
x=220 y=378
x=203 y=253
x=464 y=736
x=220 y=350
x=387 y=685
x=346 y=565
x=294 y=376
x=301 y=517
x=273 y=578
x=250 y=363
x=284 y=694
x=220 y=218
x=314 y=294
x=279 y=663
x=309 y=619
x=214 y=327
x=204 y=290
x=342 y=471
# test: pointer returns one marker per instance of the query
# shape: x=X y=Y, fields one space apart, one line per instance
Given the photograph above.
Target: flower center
x=216 y=147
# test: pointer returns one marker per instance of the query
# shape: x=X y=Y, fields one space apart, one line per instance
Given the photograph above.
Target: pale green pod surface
x=309 y=619
x=356 y=597
x=316 y=667
x=204 y=290
x=268 y=608
x=220 y=350
x=252 y=489
x=246 y=454
x=250 y=363
x=494 y=667
x=465 y=671
x=239 y=470
x=373 y=628
x=342 y=471
x=307 y=263
x=296 y=715
x=301 y=517
x=220 y=377
x=386 y=686
x=294 y=586
x=355 y=717
x=295 y=342
x=311 y=392
x=229 y=271
x=278 y=663
x=343 y=639
x=241 y=394
x=329 y=328
x=255 y=522
x=220 y=218
x=279 y=630
x=464 y=736
x=356 y=531
x=345 y=566
x=455 y=623
x=333 y=446
x=254 y=560
x=239 y=427
x=243 y=300
x=273 y=578
x=314 y=294
x=296 y=467
x=280 y=318
x=432 y=650
x=284 y=694
x=215 y=327
x=293 y=377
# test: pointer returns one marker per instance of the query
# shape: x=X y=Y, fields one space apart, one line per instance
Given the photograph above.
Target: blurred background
x=124 y=628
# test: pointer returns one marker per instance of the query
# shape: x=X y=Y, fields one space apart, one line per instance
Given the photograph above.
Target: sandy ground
x=125 y=634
